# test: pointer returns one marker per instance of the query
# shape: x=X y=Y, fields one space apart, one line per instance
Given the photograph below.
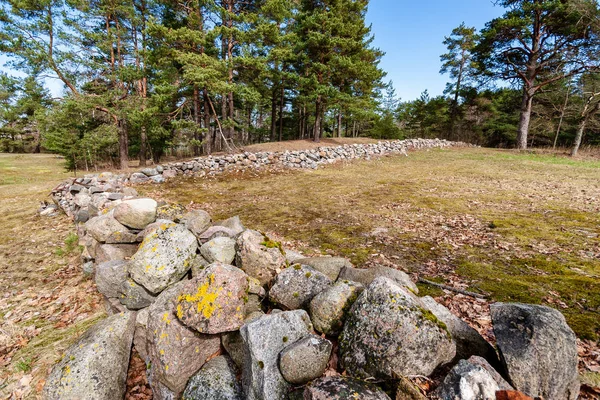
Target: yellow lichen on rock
x=204 y=298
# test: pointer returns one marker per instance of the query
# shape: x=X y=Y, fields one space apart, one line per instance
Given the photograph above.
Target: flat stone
x=136 y=213
x=328 y=309
x=163 y=258
x=234 y=224
x=213 y=302
x=220 y=249
x=263 y=339
x=95 y=367
x=390 y=333
x=171 y=212
x=176 y=352
x=305 y=360
x=538 y=349
x=258 y=257
x=342 y=388
x=149 y=172
x=330 y=266
x=138 y=177
x=215 y=381
x=296 y=286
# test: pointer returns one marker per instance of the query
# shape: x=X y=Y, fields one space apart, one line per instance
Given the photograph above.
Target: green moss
x=296 y=294
x=429 y=316
x=23 y=365
x=297 y=267
x=285 y=339
x=308 y=274
x=261 y=365
x=271 y=244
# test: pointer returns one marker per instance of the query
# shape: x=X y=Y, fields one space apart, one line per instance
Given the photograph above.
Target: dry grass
x=46 y=303
x=519 y=227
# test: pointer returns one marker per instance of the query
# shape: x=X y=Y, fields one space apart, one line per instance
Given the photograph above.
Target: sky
x=411 y=34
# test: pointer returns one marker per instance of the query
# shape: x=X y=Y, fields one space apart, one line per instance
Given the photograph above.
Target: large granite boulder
x=538 y=349
x=213 y=301
x=95 y=367
x=342 y=388
x=136 y=213
x=134 y=296
x=305 y=360
x=175 y=351
x=468 y=341
x=114 y=252
x=233 y=223
x=390 y=333
x=259 y=257
x=163 y=258
x=296 y=286
x=103 y=227
x=329 y=308
x=263 y=339
x=215 y=381
x=109 y=277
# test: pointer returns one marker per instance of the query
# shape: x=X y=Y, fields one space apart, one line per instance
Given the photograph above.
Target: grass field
x=515 y=227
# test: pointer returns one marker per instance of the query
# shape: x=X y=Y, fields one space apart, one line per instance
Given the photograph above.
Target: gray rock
x=328 y=309
x=171 y=212
x=296 y=286
x=258 y=256
x=140 y=336
x=213 y=302
x=483 y=363
x=292 y=256
x=149 y=171
x=163 y=258
x=89 y=268
x=120 y=237
x=330 y=266
x=305 y=360
x=220 y=249
x=366 y=276
x=264 y=338
x=136 y=213
x=95 y=367
x=115 y=196
x=214 y=232
x=134 y=296
x=153 y=227
x=103 y=226
x=76 y=188
x=389 y=333
x=138 y=177
x=538 y=349
x=109 y=277
x=114 y=252
x=468 y=341
x=234 y=224
x=215 y=381
x=342 y=388
x=82 y=216
x=175 y=351
x=158 y=179
x=468 y=381
x=197 y=221
x=170 y=173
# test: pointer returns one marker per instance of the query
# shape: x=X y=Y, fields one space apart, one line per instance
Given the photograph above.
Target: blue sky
x=411 y=34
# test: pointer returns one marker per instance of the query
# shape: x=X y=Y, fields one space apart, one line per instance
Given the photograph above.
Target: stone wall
x=64 y=196
x=220 y=311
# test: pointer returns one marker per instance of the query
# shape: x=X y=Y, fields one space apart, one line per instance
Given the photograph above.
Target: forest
x=145 y=79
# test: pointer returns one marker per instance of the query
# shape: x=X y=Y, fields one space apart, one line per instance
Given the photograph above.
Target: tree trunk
x=317 y=128
x=585 y=117
x=524 y=120
x=206 y=136
x=281 y=101
x=123 y=145
x=143 y=147
x=339 y=125
x=273 y=115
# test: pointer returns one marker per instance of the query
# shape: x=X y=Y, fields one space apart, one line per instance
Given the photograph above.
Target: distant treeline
x=148 y=78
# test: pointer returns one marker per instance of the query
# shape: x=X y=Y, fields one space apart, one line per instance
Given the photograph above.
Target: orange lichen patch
x=204 y=299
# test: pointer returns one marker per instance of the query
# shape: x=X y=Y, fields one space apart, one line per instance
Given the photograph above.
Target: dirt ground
x=514 y=227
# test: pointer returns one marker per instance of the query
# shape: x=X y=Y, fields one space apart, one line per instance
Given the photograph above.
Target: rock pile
x=94 y=189
x=219 y=311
